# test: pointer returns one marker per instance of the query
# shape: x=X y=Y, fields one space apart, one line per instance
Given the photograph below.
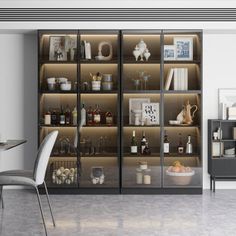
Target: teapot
x=188 y=114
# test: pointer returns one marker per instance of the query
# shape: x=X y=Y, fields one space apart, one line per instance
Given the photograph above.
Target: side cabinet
x=221 y=151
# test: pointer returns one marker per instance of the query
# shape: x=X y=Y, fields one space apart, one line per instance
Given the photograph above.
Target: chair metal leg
x=1 y=196
x=49 y=203
x=41 y=210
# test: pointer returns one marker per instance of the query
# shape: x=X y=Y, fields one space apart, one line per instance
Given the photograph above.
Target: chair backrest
x=43 y=155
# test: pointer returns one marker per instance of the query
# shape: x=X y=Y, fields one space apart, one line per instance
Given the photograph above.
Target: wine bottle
x=166 y=144
x=62 y=117
x=97 y=115
x=180 y=146
x=90 y=116
x=109 y=118
x=67 y=115
x=146 y=150
x=83 y=115
x=54 y=117
x=143 y=143
x=133 y=146
x=189 y=146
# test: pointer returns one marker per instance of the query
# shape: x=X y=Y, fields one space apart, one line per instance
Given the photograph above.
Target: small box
x=234 y=133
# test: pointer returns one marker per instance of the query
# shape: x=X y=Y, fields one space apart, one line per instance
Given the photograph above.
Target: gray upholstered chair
x=33 y=178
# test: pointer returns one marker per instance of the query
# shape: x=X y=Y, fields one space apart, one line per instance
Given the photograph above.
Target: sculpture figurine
x=100 y=57
x=141 y=51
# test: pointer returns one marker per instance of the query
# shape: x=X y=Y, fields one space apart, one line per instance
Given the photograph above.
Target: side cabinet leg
x=214 y=184
x=211 y=183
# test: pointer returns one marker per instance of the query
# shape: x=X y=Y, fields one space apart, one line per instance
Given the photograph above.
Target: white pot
x=96 y=85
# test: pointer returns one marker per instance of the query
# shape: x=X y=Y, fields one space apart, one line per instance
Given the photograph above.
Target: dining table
x=9 y=144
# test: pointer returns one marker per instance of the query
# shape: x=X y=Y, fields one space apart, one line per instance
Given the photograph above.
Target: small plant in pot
x=96 y=81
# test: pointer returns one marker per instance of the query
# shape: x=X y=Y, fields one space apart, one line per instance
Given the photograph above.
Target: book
x=169 y=79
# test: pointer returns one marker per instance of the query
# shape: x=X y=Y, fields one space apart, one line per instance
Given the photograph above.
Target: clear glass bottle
x=74 y=116
x=83 y=115
x=189 y=146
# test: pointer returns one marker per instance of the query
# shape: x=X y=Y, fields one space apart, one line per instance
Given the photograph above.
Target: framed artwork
x=150 y=112
x=227 y=103
x=169 y=52
x=135 y=107
x=57 y=48
x=184 y=48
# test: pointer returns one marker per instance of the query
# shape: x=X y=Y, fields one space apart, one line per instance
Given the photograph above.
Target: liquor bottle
x=109 y=118
x=189 y=145
x=134 y=146
x=62 y=117
x=67 y=115
x=166 y=144
x=83 y=115
x=90 y=116
x=180 y=146
x=143 y=143
x=97 y=115
x=74 y=116
x=146 y=150
x=54 y=118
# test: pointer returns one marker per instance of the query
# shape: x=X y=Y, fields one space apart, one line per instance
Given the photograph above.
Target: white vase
x=136 y=53
x=147 y=54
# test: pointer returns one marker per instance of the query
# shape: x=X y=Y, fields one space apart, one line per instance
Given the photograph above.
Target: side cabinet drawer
x=221 y=167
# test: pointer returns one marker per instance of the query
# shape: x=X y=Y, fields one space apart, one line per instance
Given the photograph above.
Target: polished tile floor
x=120 y=215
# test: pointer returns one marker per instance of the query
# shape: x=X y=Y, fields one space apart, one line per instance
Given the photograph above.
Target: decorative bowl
x=180 y=178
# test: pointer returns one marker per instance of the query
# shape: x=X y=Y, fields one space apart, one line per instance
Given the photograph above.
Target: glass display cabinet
x=128 y=107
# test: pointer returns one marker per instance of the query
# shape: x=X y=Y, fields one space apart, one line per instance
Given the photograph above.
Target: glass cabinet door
x=141 y=163
x=58 y=104
x=182 y=110
x=99 y=99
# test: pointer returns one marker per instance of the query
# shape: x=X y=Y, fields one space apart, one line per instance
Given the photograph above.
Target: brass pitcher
x=187 y=110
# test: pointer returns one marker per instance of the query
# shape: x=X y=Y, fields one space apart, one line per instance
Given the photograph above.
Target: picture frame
x=57 y=48
x=150 y=112
x=169 y=52
x=184 y=48
x=226 y=102
x=135 y=105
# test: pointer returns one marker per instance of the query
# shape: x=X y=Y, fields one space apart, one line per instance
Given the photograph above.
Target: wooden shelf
x=182 y=91
x=132 y=61
x=142 y=91
x=56 y=62
x=99 y=92
x=58 y=92
x=57 y=126
x=93 y=61
x=183 y=62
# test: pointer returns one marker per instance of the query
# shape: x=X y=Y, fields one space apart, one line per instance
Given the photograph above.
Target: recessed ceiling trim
x=117 y=14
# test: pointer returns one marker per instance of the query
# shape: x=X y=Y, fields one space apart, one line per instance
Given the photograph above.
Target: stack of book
x=179 y=77
x=232 y=113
